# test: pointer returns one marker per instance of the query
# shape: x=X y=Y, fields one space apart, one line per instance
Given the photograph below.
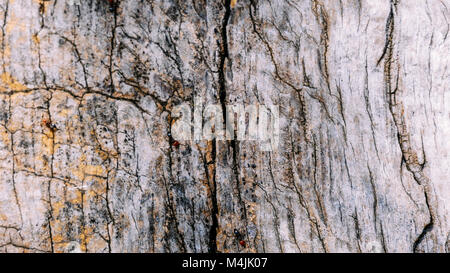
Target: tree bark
x=88 y=163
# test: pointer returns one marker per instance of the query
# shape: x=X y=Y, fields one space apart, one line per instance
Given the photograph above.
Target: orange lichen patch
x=35 y=39
x=3 y=217
x=57 y=238
x=85 y=238
x=78 y=199
x=63 y=113
x=47 y=143
x=5 y=138
x=97 y=187
x=7 y=52
x=104 y=155
x=57 y=206
x=233 y=3
x=86 y=170
x=10 y=83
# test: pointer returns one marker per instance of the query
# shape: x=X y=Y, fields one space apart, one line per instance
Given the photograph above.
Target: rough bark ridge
x=86 y=156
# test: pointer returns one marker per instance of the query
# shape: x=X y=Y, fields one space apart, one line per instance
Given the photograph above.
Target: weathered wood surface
x=363 y=160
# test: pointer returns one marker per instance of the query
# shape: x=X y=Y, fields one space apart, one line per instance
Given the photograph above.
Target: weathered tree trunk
x=87 y=162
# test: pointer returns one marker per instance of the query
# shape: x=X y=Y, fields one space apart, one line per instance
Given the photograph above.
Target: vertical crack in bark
x=5 y=18
x=112 y=45
x=49 y=189
x=276 y=221
x=428 y=227
x=13 y=165
x=375 y=199
x=368 y=108
x=322 y=18
x=291 y=224
x=357 y=229
x=312 y=217
x=375 y=210
x=215 y=206
x=388 y=46
x=79 y=60
x=223 y=54
x=170 y=200
x=280 y=77
x=110 y=215
x=409 y=156
x=317 y=225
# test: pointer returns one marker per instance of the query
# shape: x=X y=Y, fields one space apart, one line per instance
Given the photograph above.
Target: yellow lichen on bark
x=9 y=83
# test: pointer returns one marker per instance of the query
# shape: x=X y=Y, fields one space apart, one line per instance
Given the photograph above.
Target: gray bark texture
x=87 y=163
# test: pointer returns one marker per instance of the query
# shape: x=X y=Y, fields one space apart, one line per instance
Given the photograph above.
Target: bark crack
x=409 y=156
